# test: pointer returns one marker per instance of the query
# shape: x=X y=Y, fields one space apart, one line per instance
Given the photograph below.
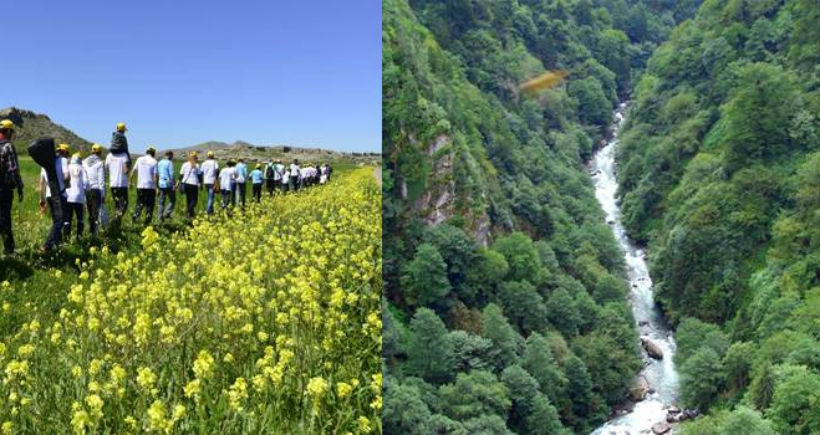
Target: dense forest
x=720 y=177
x=505 y=298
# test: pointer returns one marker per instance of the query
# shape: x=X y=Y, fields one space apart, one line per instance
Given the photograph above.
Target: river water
x=660 y=374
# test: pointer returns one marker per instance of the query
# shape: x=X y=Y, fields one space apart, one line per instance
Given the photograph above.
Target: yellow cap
x=77 y=155
x=121 y=127
x=96 y=148
x=6 y=124
x=63 y=147
x=258 y=165
x=210 y=153
x=192 y=154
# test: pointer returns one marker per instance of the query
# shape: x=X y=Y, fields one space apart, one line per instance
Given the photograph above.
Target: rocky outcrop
x=437 y=203
x=31 y=126
x=652 y=349
x=677 y=415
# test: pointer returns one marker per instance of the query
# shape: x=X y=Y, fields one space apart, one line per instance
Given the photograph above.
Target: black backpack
x=268 y=171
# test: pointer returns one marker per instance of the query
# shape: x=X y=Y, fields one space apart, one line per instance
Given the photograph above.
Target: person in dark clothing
x=270 y=177
x=119 y=143
x=57 y=201
x=9 y=181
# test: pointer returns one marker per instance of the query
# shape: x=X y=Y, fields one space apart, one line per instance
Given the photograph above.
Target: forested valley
x=720 y=177
x=505 y=307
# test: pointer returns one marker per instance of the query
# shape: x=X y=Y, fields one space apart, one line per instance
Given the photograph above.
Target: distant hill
x=31 y=125
x=257 y=153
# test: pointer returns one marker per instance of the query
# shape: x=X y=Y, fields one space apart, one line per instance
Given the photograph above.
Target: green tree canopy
x=562 y=312
x=425 y=278
x=506 y=342
x=474 y=395
x=540 y=363
x=430 y=349
x=701 y=378
x=404 y=411
x=523 y=306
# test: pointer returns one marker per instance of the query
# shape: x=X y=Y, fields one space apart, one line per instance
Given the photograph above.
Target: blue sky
x=182 y=72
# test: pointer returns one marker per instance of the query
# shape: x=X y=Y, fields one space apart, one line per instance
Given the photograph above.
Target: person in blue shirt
x=257 y=177
x=241 y=178
x=165 y=184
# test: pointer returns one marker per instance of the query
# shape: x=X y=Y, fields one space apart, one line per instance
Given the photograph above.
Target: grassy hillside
x=505 y=304
x=719 y=171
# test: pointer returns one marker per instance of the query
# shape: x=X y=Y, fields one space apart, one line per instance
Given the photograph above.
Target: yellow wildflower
x=146 y=378
x=343 y=389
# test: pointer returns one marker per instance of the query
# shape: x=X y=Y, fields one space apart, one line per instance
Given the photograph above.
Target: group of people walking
x=231 y=181
x=81 y=184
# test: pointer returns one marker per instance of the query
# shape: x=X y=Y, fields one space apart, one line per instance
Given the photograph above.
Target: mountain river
x=661 y=375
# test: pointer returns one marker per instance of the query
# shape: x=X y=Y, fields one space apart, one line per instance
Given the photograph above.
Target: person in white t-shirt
x=146 y=169
x=227 y=185
x=118 y=166
x=210 y=170
x=189 y=175
x=75 y=196
x=294 y=175
x=95 y=190
x=280 y=171
x=57 y=204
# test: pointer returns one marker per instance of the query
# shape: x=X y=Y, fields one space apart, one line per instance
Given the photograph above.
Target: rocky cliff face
x=445 y=197
x=31 y=125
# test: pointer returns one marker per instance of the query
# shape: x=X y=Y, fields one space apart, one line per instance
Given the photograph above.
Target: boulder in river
x=643 y=323
x=673 y=410
x=652 y=349
x=660 y=428
x=639 y=389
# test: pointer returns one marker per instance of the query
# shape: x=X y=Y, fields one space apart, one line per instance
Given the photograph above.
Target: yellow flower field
x=264 y=324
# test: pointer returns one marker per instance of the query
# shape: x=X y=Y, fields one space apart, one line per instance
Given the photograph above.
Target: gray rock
x=661 y=428
x=652 y=349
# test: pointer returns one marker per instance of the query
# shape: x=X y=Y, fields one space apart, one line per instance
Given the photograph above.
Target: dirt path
x=377 y=172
